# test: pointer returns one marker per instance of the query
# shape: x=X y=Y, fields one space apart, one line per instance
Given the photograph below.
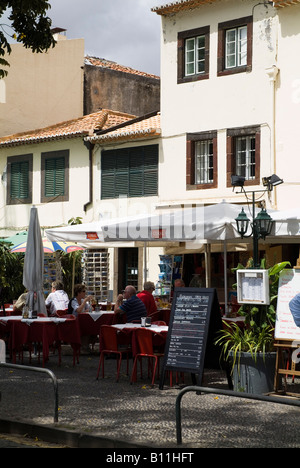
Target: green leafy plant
x=11 y=274
x=257 y=335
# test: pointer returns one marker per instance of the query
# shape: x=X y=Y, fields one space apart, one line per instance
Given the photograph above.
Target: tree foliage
x=31 y=26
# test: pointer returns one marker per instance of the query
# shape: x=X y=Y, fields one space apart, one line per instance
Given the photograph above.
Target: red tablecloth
x=45 y=331
x=130 y=329
x=90 y=324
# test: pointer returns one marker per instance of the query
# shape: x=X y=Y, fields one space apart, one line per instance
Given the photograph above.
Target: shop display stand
x=96 y=273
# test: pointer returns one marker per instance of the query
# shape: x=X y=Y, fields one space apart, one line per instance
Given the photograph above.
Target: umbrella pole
x=207 y=266
x=145 y=261
x=225 y=278
x=73 y=274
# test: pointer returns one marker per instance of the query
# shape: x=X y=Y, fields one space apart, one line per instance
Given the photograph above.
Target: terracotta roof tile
x=82 y=126
x=281 y=3
x=103 y=63
x=181 y=5
x=148 y=127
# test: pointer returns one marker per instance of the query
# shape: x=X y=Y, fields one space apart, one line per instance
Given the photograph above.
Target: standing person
x=58 y=299
x=128 y=303
x=79 y=303
x=147 y=297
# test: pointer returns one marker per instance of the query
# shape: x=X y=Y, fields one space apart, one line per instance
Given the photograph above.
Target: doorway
x=128 y=267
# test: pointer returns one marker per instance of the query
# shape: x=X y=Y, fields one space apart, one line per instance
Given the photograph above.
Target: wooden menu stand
x=281 y=367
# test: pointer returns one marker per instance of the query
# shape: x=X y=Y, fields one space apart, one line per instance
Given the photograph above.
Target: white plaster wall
x=16 y=217
x=218 y=103
x=288 y=107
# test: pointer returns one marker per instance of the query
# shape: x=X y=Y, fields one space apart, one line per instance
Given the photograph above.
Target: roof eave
x=126 y=136
x=34 y=140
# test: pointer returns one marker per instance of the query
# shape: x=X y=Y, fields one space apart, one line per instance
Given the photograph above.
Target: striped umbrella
x=49 y=247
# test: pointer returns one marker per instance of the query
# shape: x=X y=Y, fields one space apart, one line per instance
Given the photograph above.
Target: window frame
x=182 y=37
x=191 y=140
x=55 y=155
x=18 y=159
x=223 y=29
x=232 y=136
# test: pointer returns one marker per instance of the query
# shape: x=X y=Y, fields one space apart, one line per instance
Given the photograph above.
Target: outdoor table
x=9 y=311
x=45 y=330
x=130 y=328
x=90 y=322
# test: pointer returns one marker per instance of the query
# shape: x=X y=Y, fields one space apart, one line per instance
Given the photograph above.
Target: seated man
x=57 y=299
x=147 y=297
x=133 y=307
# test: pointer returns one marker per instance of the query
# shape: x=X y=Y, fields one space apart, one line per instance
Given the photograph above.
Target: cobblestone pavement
x=140 y=414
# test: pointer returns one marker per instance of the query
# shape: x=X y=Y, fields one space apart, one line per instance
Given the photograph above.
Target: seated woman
x=79 y=303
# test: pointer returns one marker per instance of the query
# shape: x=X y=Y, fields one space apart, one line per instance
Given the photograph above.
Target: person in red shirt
x=147 y=297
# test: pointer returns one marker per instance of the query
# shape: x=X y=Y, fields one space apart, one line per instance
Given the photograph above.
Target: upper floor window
x=204 y=167
x=131 y=172
x=235 y=46
x=55 y=176
x=201 y=160
x=193 y=55
x=19 y=179
x=243 y=154
x=245 y=157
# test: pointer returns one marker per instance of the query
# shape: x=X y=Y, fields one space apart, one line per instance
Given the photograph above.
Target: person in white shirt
x=58 y=299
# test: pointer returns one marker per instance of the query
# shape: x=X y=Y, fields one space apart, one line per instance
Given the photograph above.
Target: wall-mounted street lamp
x=261 y=224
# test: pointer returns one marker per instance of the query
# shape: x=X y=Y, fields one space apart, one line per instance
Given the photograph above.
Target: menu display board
x=289 y=286
x=253 y=286
x=195 y=317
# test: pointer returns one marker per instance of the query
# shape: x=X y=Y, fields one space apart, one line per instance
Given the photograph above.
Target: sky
x=124 y=31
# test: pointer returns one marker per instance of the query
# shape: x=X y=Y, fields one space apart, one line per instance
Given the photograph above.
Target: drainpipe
x=90 y=148
x=272 y=73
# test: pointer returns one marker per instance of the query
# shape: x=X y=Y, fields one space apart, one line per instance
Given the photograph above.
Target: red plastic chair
x=109 y=336
x=59 y=313
x=145 y=342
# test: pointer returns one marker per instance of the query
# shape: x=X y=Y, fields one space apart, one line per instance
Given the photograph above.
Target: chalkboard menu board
x=195 y=319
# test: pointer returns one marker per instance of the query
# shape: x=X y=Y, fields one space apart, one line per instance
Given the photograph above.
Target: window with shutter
x=55 y=182
x=131 y=172
x=54 y=177
x=19 y=179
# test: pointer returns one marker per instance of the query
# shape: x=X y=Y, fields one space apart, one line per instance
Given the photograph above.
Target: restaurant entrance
x=128 y=267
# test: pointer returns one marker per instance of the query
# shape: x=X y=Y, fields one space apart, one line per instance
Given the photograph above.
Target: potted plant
x=250 y=348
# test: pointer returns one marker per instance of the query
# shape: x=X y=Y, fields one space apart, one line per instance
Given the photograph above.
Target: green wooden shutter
x=150 y=170
x=130 y=171
x=54 y=177
x=19 y=184
x=136 y=172
x=122 y=173
x=108 y=169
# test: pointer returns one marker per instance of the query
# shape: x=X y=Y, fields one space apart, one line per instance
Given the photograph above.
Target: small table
x=45 y=330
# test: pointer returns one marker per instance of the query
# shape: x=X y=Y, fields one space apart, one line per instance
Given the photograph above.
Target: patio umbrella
x=49 y=247
x=34 y=265
x=16 y=238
